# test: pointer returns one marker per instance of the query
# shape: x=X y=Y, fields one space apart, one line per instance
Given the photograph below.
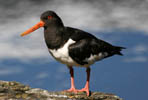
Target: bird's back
x=87 y=49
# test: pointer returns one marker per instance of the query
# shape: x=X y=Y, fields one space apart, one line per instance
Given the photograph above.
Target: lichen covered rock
x=18 y=91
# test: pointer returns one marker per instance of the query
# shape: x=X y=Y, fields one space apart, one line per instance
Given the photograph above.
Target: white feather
x=93 y=58
x=62 y=54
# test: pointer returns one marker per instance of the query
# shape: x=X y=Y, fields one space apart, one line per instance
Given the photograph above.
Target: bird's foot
x=85 y=90
x=74 y=90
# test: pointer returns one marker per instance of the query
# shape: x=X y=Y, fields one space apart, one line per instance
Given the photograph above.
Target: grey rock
x=17 y=91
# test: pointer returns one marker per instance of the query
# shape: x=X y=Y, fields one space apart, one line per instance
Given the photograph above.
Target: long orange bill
x=35 y=27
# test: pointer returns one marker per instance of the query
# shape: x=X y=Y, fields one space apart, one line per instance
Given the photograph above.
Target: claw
x=72 y=90
x=85 y=90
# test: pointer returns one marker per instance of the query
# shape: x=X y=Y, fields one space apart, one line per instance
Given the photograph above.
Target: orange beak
x=35 y=27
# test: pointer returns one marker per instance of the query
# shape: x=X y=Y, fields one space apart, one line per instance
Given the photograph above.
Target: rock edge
x=16 y=91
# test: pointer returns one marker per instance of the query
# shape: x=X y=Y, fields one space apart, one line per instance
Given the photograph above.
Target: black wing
x=87 y=45
x=77 y=34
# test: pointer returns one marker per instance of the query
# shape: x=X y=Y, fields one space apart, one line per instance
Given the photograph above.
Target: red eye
x=49 y=17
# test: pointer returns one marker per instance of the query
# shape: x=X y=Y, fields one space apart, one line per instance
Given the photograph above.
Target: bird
x=72 y=46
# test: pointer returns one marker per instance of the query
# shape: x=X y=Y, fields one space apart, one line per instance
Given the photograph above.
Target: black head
x=48 y=19
x=51 y=19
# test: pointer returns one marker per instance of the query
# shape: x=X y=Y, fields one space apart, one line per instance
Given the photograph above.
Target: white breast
x=62 y=54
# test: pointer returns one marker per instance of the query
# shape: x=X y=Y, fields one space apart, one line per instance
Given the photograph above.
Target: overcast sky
x=92 y=16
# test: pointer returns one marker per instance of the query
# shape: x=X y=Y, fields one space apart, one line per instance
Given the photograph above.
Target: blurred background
x=120 y=22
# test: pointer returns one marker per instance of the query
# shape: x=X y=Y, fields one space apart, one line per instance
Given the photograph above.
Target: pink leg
x=72 y=89
x=86 y=88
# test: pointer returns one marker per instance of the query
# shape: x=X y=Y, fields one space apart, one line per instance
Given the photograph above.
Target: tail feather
x=118 y=49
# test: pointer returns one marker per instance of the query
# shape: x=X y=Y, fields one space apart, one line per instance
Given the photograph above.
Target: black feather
x=87 y=45
x=118 y=49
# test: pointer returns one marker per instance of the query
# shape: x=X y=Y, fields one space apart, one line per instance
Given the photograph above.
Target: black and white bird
x=73 y=47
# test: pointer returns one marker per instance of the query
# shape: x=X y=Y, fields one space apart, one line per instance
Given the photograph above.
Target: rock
x=18 y=91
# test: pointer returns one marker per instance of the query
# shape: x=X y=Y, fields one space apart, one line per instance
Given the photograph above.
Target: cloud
x=97 y=15
x=10 y=71
x=42 y=75
x=140 y=49
x=138 y=59
x=138 y=53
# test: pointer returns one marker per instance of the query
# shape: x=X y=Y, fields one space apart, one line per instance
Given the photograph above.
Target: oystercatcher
x=73 y=47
